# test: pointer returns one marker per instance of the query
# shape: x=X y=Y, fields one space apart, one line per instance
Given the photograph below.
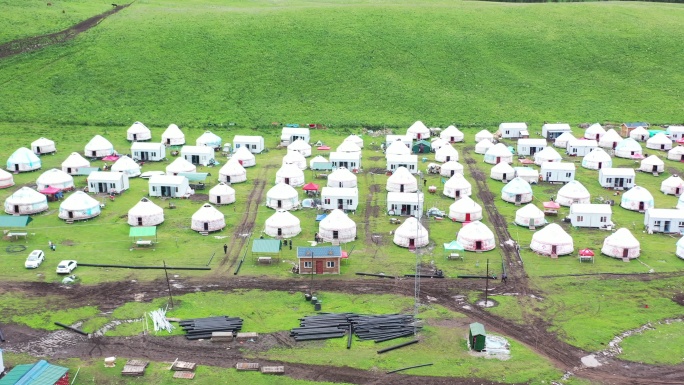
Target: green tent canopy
x=14 y=221
x=143 y=231
x=194 y=176
x=266 y=246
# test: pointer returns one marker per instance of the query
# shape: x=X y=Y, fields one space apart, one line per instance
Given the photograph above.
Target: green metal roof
x=144 y=231
x=14 y=221
x=477 y=328
x=40 y=373
x=266 y=246
x=15 y=374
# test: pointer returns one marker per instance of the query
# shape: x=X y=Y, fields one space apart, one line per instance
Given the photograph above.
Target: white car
x=34 y=259
x=66 y=267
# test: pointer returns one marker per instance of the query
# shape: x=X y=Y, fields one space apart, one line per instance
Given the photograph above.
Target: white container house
x=513 y=130
x=232 y=172
x=357 y=140
x=530 y=147
x=637 y=199
x=397 y=148
x=405 y=203
x=652 y=164
x=23 y=160
x=482 y=135
x=43 y=146
x=290 y=134
x=107 y=182
x=591 y=215
x=610 y=139
x=675 y=132
x=342 y=178
x=594 y=132
x=628 y=148
x=673 y=185
x=446 y=153
x=418 y=131
x=617 y=178
x=597 y=159
x=517 y=191
x=295 y=158
x=402 y=180
x=344 y=159
x=127 y=166
x=138 y=132
x=180 y=165
x=25 y=201
x=664 y=221
x=498 y=153
x=408 y=161
x=452 y=134
x=341 y=198
x=406 y=140
x=482 y=146
x=282 y=197
x=169 y=186
x=244 y=157
x=562 y=172
x=173 y=136
x=290 y=174
x=660 y=142
x=554 y=130
x=465 y=210
x=621 y=244
x=6 y=179
x=202 y=155
x=73 y=163
x=254 y=143
x=457 y=187
x=563 y=139
x=573 y=192
x=640 y=133
x=676 y=154
x=530 y=216
x=552 y=240
x=548 y=154
x=55 y=178
x=145 y=213
x=503 y=172
x=282 y=224
x=411 y=234
x=79 y=206
x=451 y=168
x=209 y=139
x=300 y=147
x=148 y=152
x=581 y=147
x=207 y=219
x=337 y=227
x=476 y=236
x=222 y=194
x=528 y=174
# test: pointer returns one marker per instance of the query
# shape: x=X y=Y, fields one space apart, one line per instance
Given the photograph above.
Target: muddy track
x=372 y=209
x=34 y=43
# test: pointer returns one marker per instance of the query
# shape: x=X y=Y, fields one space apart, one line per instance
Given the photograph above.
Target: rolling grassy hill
x=202 y=62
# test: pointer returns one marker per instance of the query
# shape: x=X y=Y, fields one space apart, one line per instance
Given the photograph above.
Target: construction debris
x=244 y=337
x=182 y=366
x=366 y=327
x=203 y=328
x=221 y=336
x=247 y=366
x=273 y=369
x=184 y=375
x=135 y=368
x=159 y=320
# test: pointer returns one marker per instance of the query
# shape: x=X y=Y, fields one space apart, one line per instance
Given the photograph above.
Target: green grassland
x=647 y=346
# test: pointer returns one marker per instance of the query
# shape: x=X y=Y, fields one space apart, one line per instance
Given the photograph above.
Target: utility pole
x=486 y=303
x=168 y=284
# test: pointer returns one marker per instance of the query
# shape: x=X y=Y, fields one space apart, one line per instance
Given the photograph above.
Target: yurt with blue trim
x=628 y=148
x=25 y=201
x=498 y=153
x=23 y=160
x=209 y=139
x=79 y=206
x=517 y=191
x=597 y=159
x=637 y=199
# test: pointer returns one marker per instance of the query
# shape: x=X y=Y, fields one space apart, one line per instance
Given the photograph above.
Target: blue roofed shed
x=319 y=260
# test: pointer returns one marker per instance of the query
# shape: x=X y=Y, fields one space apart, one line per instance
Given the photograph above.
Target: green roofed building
x=477 y=336
x=40 y=373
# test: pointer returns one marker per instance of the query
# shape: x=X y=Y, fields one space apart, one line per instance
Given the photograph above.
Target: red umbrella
x=551 y=205
x=324 y=148
x=310 y=187
x=586 y=253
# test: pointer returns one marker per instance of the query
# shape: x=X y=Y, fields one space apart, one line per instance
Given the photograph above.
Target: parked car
x=66 y=267
x=34 y=259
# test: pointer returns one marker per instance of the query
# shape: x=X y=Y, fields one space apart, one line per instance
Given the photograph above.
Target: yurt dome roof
x=564 y=137
x=232 y=167
x=398 y=148
x=173 y=132
x=208 y=137
x=484 y=143
x=453 y=165
x=530 y=211
x=138 y=128
x=98 y=143
x=622 y=238
x=451 y=131
x=447 y=149
x=343 y=174
x=628 y=144
x=552 y=234
x=503 y=167
x=465 y=205
x=611 y=135
x=282 y=218
x=243 y=153
x=348 y=147
x=354 y=139
x=26 y=195
x=42 y=142
x=475 y=230
x=653 y=160
x=318 y=159
x=145 y=207
x=595 y=129
x=410 y=228
x=639 y=131
x=597 y=154
x=337 y=220
x=485 y=134
x=548 y=153
x=439 y=142
x=54 y=176
x=418 y=127
x=499 y=149
x=659 y=138
x=290 y=171
x=79 y=201
x=207 y=212
x=402 y=176
x=673 y=181
x=125 y=163
x=293 y=157
x=282 y=191
x=517 y=186
x=298 y=145
x=457 y=180
x=23 y=155
x=181 y=165
x=5 y=175
x=679 y=150
x=75 y=160
x=574 y=189
x=637 y=193
x=222 y=189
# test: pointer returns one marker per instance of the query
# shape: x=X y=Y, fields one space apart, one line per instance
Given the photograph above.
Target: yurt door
x=498 y=159
x=458 y=193
x=280 y=204
x=453 y=172
x=467 y=217
x=662 y=147
x=280 y=231
x=135 y=137
x=71 y=215
x=206 y=226
x=218 y=200
x=287 y=180
x=600 y=165
x=598 y=137
x=678 y=190
x=625 y=253
x=504 y=177
x=518 y=198
x=614 y=145
x=641 y=206
x=228 y=179
x=68 y=170
x=655 y=168
x=401 y=188
x=16 y=209
x=532 y=223
x=453 y=140
x=16 y=167
x=412 y=243
x=478 y=245
x=554 y=250
x=340 y=204
x=38 y=150
x=319 y=267
x=140 y=223
x=168 y=141
x=93 y=153
x=336 y=234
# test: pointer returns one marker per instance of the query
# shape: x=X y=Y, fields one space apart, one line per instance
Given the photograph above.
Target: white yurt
x=342 y=177
x=673 y=185
x=127 y=166
x=482 y=135
x=610 y=139
x=562 y=140
x=637 y=199
x=451 y=168
x=207 y=219
x=337 y=226
x=482 y=146
x=595 y=131
x=397 y=148
x=232 y=172
x=621 y=244
x=517 y=191
x=627 y=148
x=502 y=171
x=676 y=154
x=446 y=153
x=476 y=236
x=222 y=194
x=640 y=134
x=282 y=224
x=209 y=139
x=438 y=143
x=282 y=197
x=548 y=154
x=245 y=157
x=55 y=178
x=6 y=179
x=317 y=160
x=295 y=158
x=173 y=136
x=145 y=213
x=659 y=141
x=349 y=148
x=418 y=130
x=79 y=206
x=597 y=159
x=552 y=240
x=402 y=180
x=465 y=210
x=180 y=165
x=652 y=164
x=98 y=147
x=498 y=153
x=138 y=132
x=573 y=192
x=26 y=201
x=301 y=147
x=530 y=216
x=73 y=163
x=457 y=187
x=411 y=234
x=680 y=248
x=23 y=159
x=43 y=146
x=357 y=140
x=452 y=134
x=290 y=174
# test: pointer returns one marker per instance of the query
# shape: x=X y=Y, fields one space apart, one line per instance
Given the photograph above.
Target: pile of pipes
x=201 y=328
x=378 y=328
x=159 y=320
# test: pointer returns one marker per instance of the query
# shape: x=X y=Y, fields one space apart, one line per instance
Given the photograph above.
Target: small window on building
x=580 y=218
x=412 y=167
x=508 y=132
x=112 y=185
x=629 y=180
x=603 y=219
x=154 y=188
x=176 y=189
x=154 y=154
x=657 y=223
x=349 y=201
x=681 y=224
x=568 y=174
x=327 y=201
x=307 y=264
x=609 y=180
x=330 y=264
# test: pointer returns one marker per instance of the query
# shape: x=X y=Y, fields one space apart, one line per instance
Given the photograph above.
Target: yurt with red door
x=476 y=236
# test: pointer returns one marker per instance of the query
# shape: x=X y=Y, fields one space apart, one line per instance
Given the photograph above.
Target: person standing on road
x=504 y=278
x=225 y=248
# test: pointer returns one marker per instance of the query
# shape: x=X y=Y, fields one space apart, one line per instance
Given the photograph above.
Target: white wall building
x=341 y=198
x=528 y=174
x=107 y=182
x=290 y=134
x=148 y=152
x=676 y=132
x=617 y=178
x=408 y=161
x=203 y=155
x=169 y=186
x=530 y=147
x=664 y=220
x=558 y=171
x=591 y=215
x=254 y=143
x=405 y=203
x=579 y=147
x=344 y=159
x=554 y=130
x=513 y=130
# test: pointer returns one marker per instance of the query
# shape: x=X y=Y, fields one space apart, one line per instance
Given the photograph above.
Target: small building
x=23 y=160
x=180 y=165
x=127 y=166
x=107 y=182
x=411 y=234
x=563 y=139
x=451 y=168
x=282 y=197
x=637 y=199
x=621 y=244
x=25 y=201
x=660 y=142
x=291 y=175
x=548 y=154
x=43 y=146
x=482 y=135
x=202 y=155
x=319 y=260
x=594 y=132
x=652 y=164
x=676 y=154
x=482 y=146
x=477 y=337
x=405 y=204
x=555 y=172
x=138 y=132
x=169 y=186
x=282 y=224
x=626 y=128
x=351 y=161
x=573 y=192
x=341 y=198
x=617 y=178
x=552 y=241
x=418 y=131
x=476 y=236
x=554 y=130
x=675 y=132
x=406 y=140
x=528 y=174
x=465 y=210
x=673 y=185
x=452 y=134
x=628 y=148
x=207 y=219
x=640 y=134
x=145 y=213
x=73 y=163
x=591 y=215
x=530 y=216
x=517 y=191
x=529 y=147
x=513 y=130
x=55 y=178
x=503 y=172
x=402 y=180
x=290 y=134
x=581 y=147
x=498 y=153
x=173 y=136
x=457 y=187
x=597 y=159
x=337 y=227
x=610 y=139
x=40 y=373
x=664 y=220
x=342 y=177
x=222 y=194
x=421 y=147
x=408 y=161
x=254 y=143
x=6 y=179
x=209 y=139
x=98 y=147
x=148 y=152
x=79 y=206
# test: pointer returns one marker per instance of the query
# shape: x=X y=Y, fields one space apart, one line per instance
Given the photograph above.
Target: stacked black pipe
x=201 y=328
x=378 y=328
x=321 y=327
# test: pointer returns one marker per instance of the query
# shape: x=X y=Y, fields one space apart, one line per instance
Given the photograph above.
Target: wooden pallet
x=245 y=366
x=273 y=369
x=184 y=375
x=184 y=366
x=133 y=370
